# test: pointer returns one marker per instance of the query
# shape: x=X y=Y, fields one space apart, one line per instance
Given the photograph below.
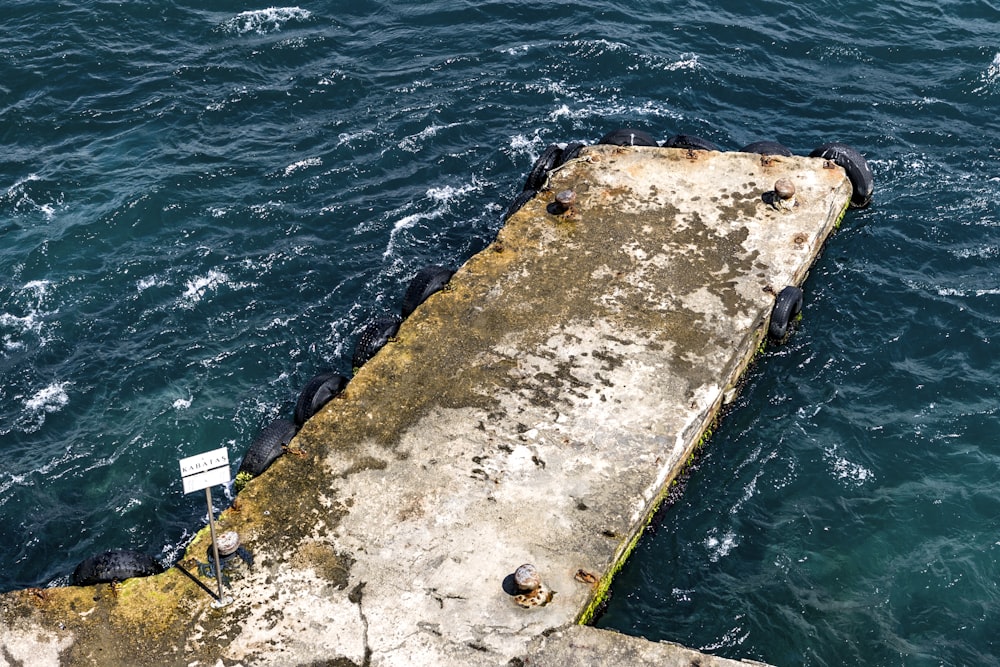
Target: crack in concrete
x=441 y=597
x=355 y=597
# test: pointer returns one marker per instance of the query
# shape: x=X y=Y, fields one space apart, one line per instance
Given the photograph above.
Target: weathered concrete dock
x=534 y=412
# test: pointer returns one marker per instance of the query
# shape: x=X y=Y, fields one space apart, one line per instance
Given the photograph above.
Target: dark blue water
x=199 y=210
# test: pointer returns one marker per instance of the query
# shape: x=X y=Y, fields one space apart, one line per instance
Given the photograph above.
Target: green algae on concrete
x=535 y=412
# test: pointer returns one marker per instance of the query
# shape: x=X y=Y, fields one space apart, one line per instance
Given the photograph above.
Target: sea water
x=201 y=208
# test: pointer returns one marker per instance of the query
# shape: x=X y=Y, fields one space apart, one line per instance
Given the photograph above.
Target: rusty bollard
x=565 y=200
x=530 y=591
x=784 y=195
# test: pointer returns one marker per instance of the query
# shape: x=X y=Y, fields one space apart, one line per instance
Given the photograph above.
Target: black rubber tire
x=628 y=137
x=572 y=151
x=112 y=566
x=856 y=167
x=317 y=393
x=520 y=200
x=373 y=338
x=787 y=305
x=543 y=165
x=428 y=280
x=269 y=444
x=690 y=142
x=767 y=148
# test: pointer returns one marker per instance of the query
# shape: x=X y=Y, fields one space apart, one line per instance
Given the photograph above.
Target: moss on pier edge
x=603 y=587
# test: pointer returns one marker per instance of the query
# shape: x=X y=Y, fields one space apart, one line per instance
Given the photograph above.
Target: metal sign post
x=203 y=472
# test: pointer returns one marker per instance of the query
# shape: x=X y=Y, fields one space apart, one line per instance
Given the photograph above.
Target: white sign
x=205 y=470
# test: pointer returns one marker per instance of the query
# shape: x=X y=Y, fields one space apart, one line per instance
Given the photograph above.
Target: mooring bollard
x=784 y=194
x=563 y=204
x=565 y=200
x=530 y=590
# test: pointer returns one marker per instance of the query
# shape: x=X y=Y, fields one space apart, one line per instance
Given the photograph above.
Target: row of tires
x=554 y=156
x=272 y=440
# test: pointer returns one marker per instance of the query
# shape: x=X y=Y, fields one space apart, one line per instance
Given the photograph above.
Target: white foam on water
x=719 y=546
x=532 y=147
x=686 y=61
x=442 y=199
x=6 y=482
x=733 y=637
x=333 y=78
x=264 y=21
x=990 y=76
x=265 y=209
x=348 y=137
x=405 y=223
x=682 y=594
x=848 y=472
x=414 y=142
x=449 y=194
x=237 y=95
x=982 y=252
x=522 y=145
x=197 y=288
x=563 y=111
x=547 y=86
x=182 y=403
x=18 y=195
x=689 y=61
x=589 y=107
x=264 y=265
x=412 y=87
x=303 y=164
x=598 y=45
x=18 y=187
x=129 y=504
x=211 y=362
x=520 y=49
x=278 y=323
x=20 y=325
x=294 y=42
x=48 y=399
x=144 y=284
x=32 y=321
x=760 y=458
x=39 y=287
x=951 y=291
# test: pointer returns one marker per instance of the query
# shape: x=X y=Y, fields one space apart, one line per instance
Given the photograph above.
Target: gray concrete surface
x=535 y=412
x=582 y=646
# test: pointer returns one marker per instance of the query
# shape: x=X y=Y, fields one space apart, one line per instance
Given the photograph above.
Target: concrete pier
x=535 y=412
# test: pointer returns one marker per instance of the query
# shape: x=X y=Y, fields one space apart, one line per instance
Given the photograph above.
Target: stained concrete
x=582 y=646
x=534 y=412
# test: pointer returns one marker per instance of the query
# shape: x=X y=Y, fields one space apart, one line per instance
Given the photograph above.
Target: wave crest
x=264 y=21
